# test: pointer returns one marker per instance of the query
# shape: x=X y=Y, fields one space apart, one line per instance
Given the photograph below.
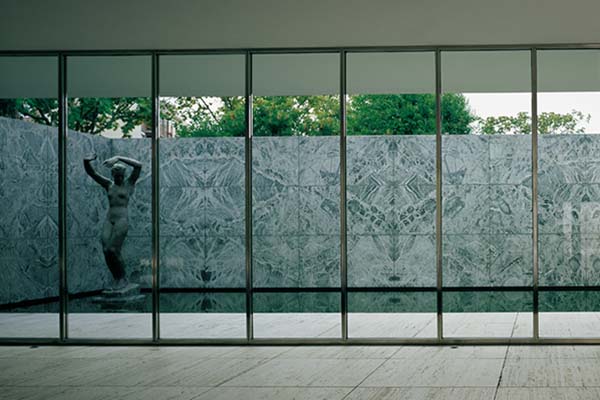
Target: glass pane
x=569 y=191
x=296 y=195
x=109 y=253
x=29 y=197
x=391 y=195
x=486 y=193
x=202 y=197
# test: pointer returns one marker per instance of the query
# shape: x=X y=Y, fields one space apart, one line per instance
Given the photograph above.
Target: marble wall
x=391 y=211
x=28 y=195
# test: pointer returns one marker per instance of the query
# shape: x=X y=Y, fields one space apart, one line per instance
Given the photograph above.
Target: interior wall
x=181 y=24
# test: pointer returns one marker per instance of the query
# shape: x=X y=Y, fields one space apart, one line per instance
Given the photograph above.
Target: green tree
x=89 y=115
x=407 y=114
x=548 y=122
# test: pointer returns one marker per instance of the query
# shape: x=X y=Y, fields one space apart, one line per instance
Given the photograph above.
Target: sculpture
x=114 y=230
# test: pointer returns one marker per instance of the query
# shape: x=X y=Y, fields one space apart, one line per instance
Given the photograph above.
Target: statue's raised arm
x=137 y=166
x=101 y=180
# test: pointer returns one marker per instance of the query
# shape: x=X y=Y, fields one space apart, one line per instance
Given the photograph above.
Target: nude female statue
x=116 y=225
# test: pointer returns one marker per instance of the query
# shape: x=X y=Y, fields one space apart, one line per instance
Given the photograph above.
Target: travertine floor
x=315 y=372
x=303 y=325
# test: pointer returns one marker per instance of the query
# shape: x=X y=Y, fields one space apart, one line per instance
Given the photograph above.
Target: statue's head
x=118 y=172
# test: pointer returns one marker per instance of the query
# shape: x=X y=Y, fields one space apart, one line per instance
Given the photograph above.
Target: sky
x=496 y=104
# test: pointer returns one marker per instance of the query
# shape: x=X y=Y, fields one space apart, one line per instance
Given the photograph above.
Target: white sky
x=496 y=104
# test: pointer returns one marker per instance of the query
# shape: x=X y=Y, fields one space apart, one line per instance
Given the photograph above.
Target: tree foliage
x=548 y=122
x=402 y=114
x=407 y=114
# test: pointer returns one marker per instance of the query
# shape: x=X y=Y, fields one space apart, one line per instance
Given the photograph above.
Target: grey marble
x=510 y=209
x=370 y=160
x=182 y=211
x=465 y=159
x=275 y=161
x=318 y=210
x=319 y=160
x=225 y=261
x=225 y=207
x=510 y=159
x=415 y=160
x=569 y=208
x=466 y=209
x=371 y=209
x=465 y=260
x=390 y=217
x=319 y=260
x=569 y=259
x=391 y=260
x=275 y=210
x=275 y=261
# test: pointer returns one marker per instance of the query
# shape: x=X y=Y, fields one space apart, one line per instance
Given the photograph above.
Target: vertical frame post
x=343 y=201
x=534 y=193
x=248 y=197
x=438 y=192
x=63 y=124
x=155 y=201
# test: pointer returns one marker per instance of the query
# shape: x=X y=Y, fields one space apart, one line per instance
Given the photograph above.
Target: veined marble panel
x=510 y=159
x=319 y=160
x=319 y=210
x=275 y=261
x=416 y=208
x=81 y=145
x=415 y=161
x=465 y=260
x=182 y=211
x=275 y=161
x=387 y=261
x=466 y=209
x=86 y=268
x=371 y=260
x=510 y=209
x=372 y=209
x=181 y=163
x=511 y=260
x=225 y=261
x=25 y=209
x=183 y=262
x=225 y=210
x=370 y=160
x=137 y=253
x=566 y=158
x=275 y=210
x=224 y=161
x=569 y=259
x=569 y=208
x=465 y=159
x=319 y=260
x=86 y=211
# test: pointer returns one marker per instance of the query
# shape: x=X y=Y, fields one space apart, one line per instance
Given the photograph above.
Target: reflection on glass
x=295 y=200
x=568 y=190
x=109 y=197
x=28 y=194
x=391 y=194
x=486 y=192
x=202 y=197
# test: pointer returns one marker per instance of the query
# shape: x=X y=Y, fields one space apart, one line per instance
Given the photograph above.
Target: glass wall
x=394 y=256
x=486 y=194
x=29 y=198
x=391 y=194
x=569 y=192
x=202 y=196
x=296 y=195
x=109 y=253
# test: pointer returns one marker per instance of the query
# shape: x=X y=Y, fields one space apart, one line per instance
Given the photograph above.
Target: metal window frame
x=155 y=339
